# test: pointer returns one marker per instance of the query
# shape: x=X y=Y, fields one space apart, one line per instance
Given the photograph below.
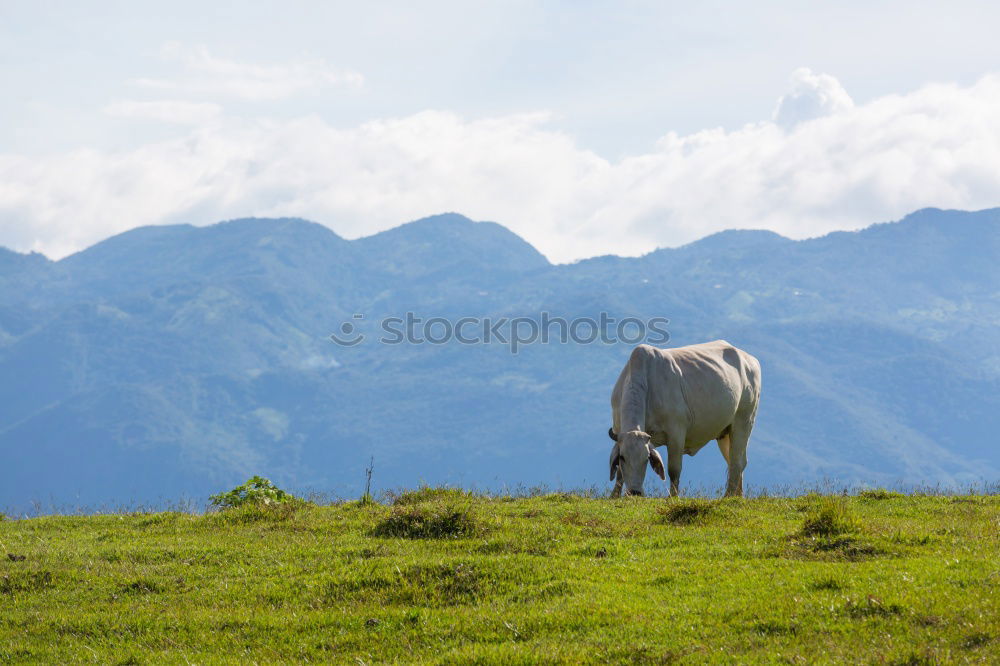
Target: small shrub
x=440 y=521
x=831 y=519
x=257 y=490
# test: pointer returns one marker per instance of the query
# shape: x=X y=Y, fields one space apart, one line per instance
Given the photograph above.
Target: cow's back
x=718 y=381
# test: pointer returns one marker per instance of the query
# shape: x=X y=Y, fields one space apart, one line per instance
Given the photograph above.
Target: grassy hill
x=440 y=576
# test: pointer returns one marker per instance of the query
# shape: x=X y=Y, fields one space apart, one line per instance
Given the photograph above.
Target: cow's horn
x=612 y=435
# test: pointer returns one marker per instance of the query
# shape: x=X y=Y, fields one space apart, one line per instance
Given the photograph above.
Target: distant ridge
x=454 y=227
x=440 y=243
x=179 y=360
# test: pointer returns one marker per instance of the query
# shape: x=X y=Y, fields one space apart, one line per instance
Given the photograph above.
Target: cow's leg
x=619 y=482
x=738 y=439
x=675 y=460
x=723 y=443
x=675 y=457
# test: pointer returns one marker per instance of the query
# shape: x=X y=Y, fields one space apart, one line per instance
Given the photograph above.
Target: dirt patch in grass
x=433 y=521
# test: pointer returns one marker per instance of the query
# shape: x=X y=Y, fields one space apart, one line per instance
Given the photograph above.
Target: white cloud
x=812 y=96
x=206 y=74
x=937 y=146
x=165 y=110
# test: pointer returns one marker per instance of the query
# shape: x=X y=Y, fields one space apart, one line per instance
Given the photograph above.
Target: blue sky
x=586 y=127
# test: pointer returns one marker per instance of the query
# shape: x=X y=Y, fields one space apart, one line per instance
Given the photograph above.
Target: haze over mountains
x=177 y=361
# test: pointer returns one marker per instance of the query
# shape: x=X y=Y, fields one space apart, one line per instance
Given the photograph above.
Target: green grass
x=442 y=576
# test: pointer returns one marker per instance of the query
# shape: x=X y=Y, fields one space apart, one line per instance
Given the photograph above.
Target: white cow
x=682 y=398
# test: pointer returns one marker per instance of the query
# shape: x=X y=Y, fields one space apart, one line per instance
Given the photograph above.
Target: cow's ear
x=615 y=460
x=656 y=462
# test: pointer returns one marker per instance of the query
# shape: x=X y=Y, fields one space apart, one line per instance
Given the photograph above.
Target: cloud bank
x=165 y=110
x=206 y=74
x=823 y=163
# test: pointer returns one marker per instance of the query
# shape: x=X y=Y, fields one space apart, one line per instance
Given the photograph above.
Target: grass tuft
x=773 y=628
x=976 y=640
x=429 y=585
x=685 y=512
x=871 y=607
x=25 y=581
x=429 y=494
x=260 y=513
x=139 y=587
x=429 y=521
x=828 y=583
x=879 y=494
x=832 y=518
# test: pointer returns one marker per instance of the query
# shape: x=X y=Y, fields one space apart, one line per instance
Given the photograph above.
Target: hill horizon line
x=452 y=217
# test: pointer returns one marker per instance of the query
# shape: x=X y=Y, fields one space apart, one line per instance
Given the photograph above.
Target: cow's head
x=630 y=455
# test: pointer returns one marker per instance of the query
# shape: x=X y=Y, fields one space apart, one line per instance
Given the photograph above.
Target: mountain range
x=175 y=361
